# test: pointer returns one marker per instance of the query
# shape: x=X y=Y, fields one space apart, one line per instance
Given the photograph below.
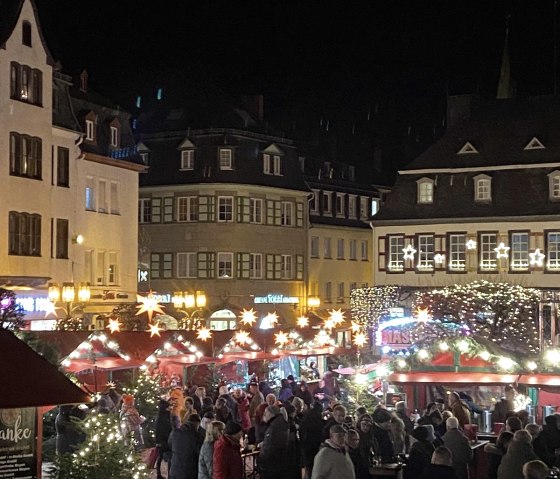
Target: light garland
x=370 y=304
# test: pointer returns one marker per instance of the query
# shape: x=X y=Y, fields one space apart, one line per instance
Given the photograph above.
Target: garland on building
x=369 y=304
x=11 y=314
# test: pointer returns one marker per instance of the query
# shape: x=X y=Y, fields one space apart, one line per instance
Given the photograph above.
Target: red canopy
x=446 y=377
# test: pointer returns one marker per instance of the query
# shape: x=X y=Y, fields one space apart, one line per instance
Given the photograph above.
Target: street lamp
x=191 y=305
x=74 y=296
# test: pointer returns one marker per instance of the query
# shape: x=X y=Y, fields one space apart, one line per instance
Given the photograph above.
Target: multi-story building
x=45 y=166
x=481 y=203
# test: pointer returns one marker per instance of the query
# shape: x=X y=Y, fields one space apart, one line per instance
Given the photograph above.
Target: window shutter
x=277 y=266
x=206 y=263
x=168 y=209
x=206 y=208
x=156 y=210
x=269 y=266
x=243 y=265
x=269 y=212
x=299 y=267
x=243 y=209
x=278 y=213
x=299 y=215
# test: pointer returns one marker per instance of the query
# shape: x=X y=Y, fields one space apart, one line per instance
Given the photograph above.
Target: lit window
x=90 y=194
x=487 y=244
x=255 y=207
x=425 y=252
x=187 y=160
x=225 y=208
x=187 y=208
x=482 y=188
x=456 y=252
x=226 y=158
x=225 y=265
x=26 y=84
x=425 y=191
x=519 y=253
x=395 y=246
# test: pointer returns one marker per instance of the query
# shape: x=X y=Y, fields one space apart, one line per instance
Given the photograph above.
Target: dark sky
x=336 y=60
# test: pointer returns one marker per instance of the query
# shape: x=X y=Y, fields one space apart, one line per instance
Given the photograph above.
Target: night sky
x=335 y=61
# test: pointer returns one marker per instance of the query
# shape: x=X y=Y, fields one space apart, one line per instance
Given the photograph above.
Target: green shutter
x=277 y=266
x=299 y=215
x=299 y=266
x=168 y=209
x=278 y=213
x=243 y=209
x=269 y=266
x=206 y=262
x=156 y=210
x=243 y=263
x=206 y=205
x=269 y=212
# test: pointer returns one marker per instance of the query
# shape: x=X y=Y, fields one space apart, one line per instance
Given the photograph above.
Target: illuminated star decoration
x=471 y=244
x=281 y=338
x=148 y=304
x=439 y=258
x=248 y=317
x=303 y=322
x=360 y=339
x=356 y=327
x=204 y=334
x=271 y=319
x=501 y=251
x=337 y=316
x=409 y=252
x=114 y=325
x=50 y=308
x=322 y=338
x=154 y=329
x=423 y=316
x=537 y=258
x=242 y=337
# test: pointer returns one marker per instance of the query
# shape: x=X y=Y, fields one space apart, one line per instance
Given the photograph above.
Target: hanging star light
x=50 y=308
x=328 y=324
x=242 y=337
x=471 y=244
x=337 y=316
x=248 y=317
x=537 y=258
x=439 y=258
x=303 y=322
x=114 y=325
x=154 y=329
x=271 y=319
x=281 y=338
x=322 y=338
x=360 y=339
x=501 y=251
x=204 y=334
x=148 y=304
x=423 y=316
x=409 y=252
x=356 y=327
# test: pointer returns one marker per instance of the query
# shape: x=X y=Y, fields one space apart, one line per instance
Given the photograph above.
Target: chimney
x=83 y=81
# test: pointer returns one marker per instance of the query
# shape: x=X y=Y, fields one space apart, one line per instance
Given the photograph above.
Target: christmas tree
x=11 y=314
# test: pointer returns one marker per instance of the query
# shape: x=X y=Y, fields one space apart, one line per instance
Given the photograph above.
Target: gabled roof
x=467 y=148
x=534 y=144
x=185 y=144
x=273 y=149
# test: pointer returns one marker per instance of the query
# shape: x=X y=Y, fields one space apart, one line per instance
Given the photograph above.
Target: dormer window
x=534 y=144
x=187 y=160
x=90 y=130
x=114 y=136
x=483 y=188
x=115 y=133
x=26 y=33
x=554 y=185
x=273 y=161
x=144 y=152
x=467 y=149
x=425 y=191
x=225 y=156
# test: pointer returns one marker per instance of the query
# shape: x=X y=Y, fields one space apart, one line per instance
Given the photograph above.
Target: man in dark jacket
x=163 y=430
x=311 y=431
x=380 y=432
x=440 y=466
x=185 y=443
x=273 y=459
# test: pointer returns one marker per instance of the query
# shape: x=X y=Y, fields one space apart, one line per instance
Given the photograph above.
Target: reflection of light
x=553 y=356
x=484 y=355
x=360 y=378
x=506 y=363
x=382 y=371
x=531 y=365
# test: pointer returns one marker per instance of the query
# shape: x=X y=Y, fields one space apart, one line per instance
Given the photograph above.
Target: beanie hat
x=421 y=433
x=128 y=400
x=232 y=428
x=381 y=415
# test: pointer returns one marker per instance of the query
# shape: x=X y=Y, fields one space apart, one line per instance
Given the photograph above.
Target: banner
x=18 y=453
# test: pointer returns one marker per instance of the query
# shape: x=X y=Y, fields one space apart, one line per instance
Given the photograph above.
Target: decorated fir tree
x=11 y=314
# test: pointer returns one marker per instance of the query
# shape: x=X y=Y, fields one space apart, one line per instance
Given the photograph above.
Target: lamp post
x=191 y=306
x=73 y=296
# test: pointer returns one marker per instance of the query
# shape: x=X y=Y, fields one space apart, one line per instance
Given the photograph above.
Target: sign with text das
x=18 y=453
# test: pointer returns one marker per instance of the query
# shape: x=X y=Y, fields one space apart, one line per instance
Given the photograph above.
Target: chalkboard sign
x=18 y=452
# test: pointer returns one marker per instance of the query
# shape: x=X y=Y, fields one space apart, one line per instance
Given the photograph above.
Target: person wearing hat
x=310 y=432
x=131 y=420
x=333 y=461
x=459 y=446
x=380 y=432
x=227 y=463
x=273 y=460
x=420 y=453
x=185 y=443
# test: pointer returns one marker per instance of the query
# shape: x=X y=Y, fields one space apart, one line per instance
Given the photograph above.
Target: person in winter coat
x=222 y=411
x=185 y=443
x=242 y=409
x=360 y=462
x=441 y=465
x=459 y=445
x=310 y=434
x=381 y=435
x=303 y=392
x=338 y=416
x=68 y=435
x=255 y=399
x=460 y=409
x=420 y=453
x=286 y=391
x=333 y=461
x=131 y=420
x=518 y=453
x=495 y=453
x=273 y=457
x=548 y=440
x=206 y=458
x=163 y=430
x=227 y=453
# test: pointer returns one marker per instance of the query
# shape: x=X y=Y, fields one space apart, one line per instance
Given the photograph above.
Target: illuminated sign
x=276 y=299
x=33 y=305
x=162 y=298
x=142 y=276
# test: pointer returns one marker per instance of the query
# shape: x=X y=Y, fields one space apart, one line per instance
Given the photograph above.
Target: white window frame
x=487 y=254
x=187 y=160
x=425 y=187
x=352 y=207
x=482 y=188
x=90 y=194
x=364 y=208
x=114 y=136
x=256 y=211
x=553 y=251
x=256 y=266
x=90 y=130
x=395 y=254
x=519 y=250
x=226 y=211
x=456 y=252
x=277 y=165
x=287 y=266
x=365 y=250
x=267 y=170
x=352 y=249
x=314 y=247
x=327 y=248
x=327 y=205
x=426 y=246
x=314 y=203
x=340 y=210
x=143 y=205
x=554 y=185
x=226 y=158
x=340 y=248
x=225 y=271
x=187 y=264
x=187 y=209
x=287 y=213
x=114 y=198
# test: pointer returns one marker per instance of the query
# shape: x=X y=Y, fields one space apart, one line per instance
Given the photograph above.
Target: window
x=255 y=210
x=425 y=191
x=26 y=156
x=553 y=251
x=340 y=248
x=364 y=211
x=287 y=214
x=287 y=267
x=364 y=250
x=225 y=265
x=340 y=293
x=62 y=166
x=24 y=234
x=187 y=208
x=144 y=210
x=26 y=33
x=314 y=203
x=62 y=238
x=425 y=252
x=328 y=292
x=352 y=207
x=144 y=156
x=340 y=205
x=256 y=266
x=187 y=160
x=314 y=247
x=107 y=265
x=456 y=252
x=277 y=161
x=519 y=252
x=353 y=286
x=353 y=247
x=487 y=244
x=226 y=158
x=90 y=193
x=374 y=206
x=161 y=265
x=225 y=208
x=102 y=190
x=394 y=248
x=554 y=185
x=90 y=131
x=114 y=136
x=327 y=198
x=267 y=170
x=26 y=84
x=114 y=199
x=186 y=265
x=112 y=268
x=482 y=188
x=327 y=248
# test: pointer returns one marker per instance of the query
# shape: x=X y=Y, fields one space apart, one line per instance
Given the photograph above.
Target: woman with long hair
x=205 y=460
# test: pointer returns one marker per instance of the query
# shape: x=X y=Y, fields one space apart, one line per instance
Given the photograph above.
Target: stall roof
x=539 y=379
x=42 y=384
x=452 y=377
